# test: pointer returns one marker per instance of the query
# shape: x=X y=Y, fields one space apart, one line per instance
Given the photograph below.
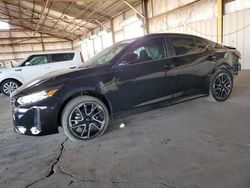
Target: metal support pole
x=43 y=47
x=145 y=12
x=219 y=21
x=40 y=18
x=112 y=31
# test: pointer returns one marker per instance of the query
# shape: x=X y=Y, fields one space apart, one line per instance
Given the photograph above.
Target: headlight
x=36 y=96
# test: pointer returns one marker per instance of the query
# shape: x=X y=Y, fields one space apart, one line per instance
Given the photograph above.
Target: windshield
x=17 y=63
x=106 y=55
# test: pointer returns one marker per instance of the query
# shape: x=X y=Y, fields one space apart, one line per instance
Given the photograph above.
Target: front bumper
x=38 y=119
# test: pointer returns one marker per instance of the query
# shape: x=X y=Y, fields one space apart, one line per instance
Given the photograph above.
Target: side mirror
x=27 y=63
x=209 y=48
x=129 y=58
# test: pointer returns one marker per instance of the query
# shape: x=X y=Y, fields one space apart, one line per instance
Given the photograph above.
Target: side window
x=38 y=59
x=153 y=49
x=62 y=57
x=183 y=45
x=200 y=44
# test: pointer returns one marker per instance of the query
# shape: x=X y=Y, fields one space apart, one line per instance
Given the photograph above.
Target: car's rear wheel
x=221 y=85
x=84 y=118
x=9 y=86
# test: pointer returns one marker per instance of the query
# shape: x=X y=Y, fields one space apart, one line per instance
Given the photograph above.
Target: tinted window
x=149 y=50
x=62 y=57
x=200 y=44
x=183 y=45
x=38 y=59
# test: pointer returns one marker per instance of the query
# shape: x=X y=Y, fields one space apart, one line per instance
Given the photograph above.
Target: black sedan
x=131 y=74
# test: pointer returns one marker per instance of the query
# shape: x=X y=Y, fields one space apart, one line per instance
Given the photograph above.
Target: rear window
x=183 y=45
x=214 y=44
x=62 y=57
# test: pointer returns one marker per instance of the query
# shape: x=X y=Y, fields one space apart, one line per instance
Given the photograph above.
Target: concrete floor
x=190 y=145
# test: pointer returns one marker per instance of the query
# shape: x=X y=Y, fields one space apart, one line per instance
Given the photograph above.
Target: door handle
x=18 y=69
x=169 y=67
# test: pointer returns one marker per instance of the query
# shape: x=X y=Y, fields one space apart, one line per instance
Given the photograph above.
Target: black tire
x=221 y=85
x=85 y=118
x=9 y=86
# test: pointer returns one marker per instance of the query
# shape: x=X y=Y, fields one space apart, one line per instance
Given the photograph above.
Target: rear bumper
x=36 y=120
x=236 y=68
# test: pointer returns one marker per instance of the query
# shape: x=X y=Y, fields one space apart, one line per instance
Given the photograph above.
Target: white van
x=37 y=65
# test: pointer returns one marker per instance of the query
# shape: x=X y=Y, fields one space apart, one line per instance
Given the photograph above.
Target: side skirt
x=158 y=105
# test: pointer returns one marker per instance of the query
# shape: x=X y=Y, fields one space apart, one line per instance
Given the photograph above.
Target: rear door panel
x=192 y=68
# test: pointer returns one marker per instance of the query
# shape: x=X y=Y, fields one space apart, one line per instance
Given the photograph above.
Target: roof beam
x=12 y=46
x=51 y=17
x=20 y=15
x=32 y=22
x=47 y=13
x=43 y=31
x=93 y=12
x=80 y=14
x=63 y=13
x=104 y=26
x=134 y=9
x=41 y=15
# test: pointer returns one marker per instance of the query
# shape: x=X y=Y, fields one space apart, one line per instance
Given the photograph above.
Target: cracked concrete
x=52 y=168
x=189 y=145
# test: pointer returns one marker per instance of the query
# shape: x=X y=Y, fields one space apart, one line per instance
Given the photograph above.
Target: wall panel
x=236 y=33
x=16 y=45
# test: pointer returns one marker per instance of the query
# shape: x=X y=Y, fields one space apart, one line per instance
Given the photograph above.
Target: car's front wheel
x=84 y=118
x=9 y=86
x=221 y=85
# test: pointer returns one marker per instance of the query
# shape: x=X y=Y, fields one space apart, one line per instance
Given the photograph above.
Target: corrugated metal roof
x=63 y=19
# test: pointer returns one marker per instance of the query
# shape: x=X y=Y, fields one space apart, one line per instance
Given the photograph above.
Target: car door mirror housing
x=128 y=58
x=27 y=63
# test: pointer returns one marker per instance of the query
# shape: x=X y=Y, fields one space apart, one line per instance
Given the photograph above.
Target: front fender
x=5 y=76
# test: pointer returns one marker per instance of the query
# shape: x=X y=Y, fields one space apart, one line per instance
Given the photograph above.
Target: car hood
x=59 y=78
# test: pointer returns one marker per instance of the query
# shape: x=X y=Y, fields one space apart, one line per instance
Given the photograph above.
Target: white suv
x=37 y=65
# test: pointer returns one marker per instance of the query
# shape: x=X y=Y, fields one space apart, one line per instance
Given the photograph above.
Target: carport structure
x=53 y=25
x=93 y=25
x=63 y=19
x=192 y=144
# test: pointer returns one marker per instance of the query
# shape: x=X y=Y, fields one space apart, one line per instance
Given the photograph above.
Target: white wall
x=125 y=26
x=237 y=32
x=199 y=18
x=16 y=45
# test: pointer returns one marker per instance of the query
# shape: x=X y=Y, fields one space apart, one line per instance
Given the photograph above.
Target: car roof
x=160 y=34
x=55 y=52
x=172 y=34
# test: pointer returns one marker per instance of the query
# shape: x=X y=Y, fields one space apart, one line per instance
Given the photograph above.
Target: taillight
x=81 y=57
x=237 y=53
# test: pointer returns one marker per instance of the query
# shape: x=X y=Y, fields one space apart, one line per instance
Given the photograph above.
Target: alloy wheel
x=86 y=120
x=222 y=86
x=9 y=87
